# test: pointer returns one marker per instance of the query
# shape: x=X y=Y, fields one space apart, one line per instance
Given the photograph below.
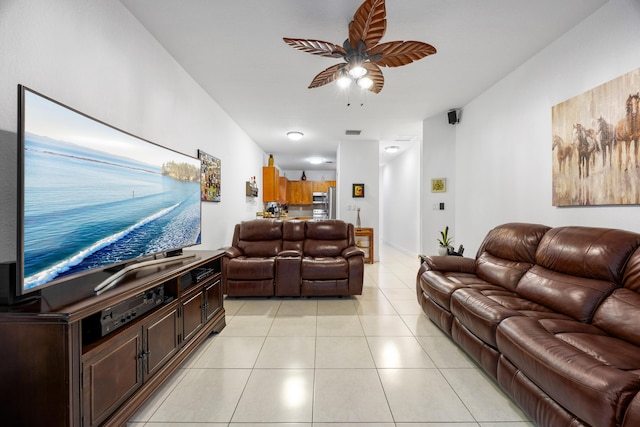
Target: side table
x=364 y=240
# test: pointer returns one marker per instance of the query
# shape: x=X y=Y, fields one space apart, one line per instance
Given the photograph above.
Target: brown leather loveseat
x=552 y=314
x=293 y=258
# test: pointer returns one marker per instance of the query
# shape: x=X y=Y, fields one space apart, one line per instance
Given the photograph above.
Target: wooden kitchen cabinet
x=283 y=194
x=300 y=192
x=323 y=186
x=270 y=184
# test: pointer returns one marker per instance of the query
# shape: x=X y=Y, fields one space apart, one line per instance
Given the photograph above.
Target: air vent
x=405 y=138
x=352 y=132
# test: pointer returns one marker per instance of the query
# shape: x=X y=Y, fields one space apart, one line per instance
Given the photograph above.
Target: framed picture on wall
x=209 y=177
x=438 y=185
x=358 y=190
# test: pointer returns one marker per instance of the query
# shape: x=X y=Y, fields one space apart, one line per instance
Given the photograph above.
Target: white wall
x=401 y=187
x=95 y=57
x=503 y=142
x=438 y=161
x=358 y=162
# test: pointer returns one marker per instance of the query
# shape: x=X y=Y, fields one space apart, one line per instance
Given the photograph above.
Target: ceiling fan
x=361 y=52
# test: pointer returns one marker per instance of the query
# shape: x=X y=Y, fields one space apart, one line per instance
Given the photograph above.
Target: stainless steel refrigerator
x=331 y=201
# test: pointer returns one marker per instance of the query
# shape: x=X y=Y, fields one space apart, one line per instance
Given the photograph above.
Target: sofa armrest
x=289 y=253
x=350 y=251
x=232 y=252
x=450 y=263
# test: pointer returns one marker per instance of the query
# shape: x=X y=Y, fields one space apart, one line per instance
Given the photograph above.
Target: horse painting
x=628 y=130
x=595 y=154
x=606 y=135
x=586 y=144
x=564 y=151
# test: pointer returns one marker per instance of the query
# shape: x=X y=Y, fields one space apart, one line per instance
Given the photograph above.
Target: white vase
x=442 y=250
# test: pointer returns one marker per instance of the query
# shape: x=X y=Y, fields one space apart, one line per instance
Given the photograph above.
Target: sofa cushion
x=631 y=278
x=507 y=252
x=589 y=252
x=260 y=238
x=514 y=241
x=482 y=310
x=254 y=268
x=499 y=271
x=262 y=229
x=293 y=235
x=327 y=230
x=571 y=295
x=574 y=364
x=325 y=238
x=324 y=268
x=440 y=285
x=619 y=315
x=267 y=248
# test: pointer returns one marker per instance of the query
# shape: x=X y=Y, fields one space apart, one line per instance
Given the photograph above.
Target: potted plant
x=444 y=241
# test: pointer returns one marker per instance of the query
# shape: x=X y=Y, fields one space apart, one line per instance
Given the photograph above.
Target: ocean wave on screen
x=66 y=264
x=182 y=231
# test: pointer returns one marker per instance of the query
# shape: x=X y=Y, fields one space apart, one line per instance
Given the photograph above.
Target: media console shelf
x=74 y=358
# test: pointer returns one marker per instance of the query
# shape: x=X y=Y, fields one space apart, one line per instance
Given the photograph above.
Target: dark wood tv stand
x=57 y=370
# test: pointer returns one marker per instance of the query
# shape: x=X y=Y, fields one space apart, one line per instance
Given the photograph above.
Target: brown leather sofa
x=293 y=258
x=552 y=314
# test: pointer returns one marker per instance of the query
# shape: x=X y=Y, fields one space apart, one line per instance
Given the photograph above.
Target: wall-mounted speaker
x=453 y=117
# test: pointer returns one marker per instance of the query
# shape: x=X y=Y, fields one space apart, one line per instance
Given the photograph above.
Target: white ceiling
x=234 y=50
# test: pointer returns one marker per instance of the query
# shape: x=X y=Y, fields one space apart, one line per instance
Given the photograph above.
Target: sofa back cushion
x=260 y=238
x=577 y=268
x=293 y=235
x=619 y=314
x=327 y=238
x=631 y=278
x=507 y=252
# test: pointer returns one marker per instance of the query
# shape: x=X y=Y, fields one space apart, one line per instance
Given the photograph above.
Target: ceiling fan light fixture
x=295 y=135
x=344 y=81
x=357 y=71
x=365 y=82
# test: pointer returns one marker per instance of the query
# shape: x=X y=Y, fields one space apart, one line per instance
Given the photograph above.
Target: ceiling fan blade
x=395 y=54
x=316 y=47
x=326 y=76
x=374 y=73
x=369 y=24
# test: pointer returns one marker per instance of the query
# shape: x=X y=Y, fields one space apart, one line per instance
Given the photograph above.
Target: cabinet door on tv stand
x=111 y=376
x=192 y=314
x=213 y=299
x=161 y=339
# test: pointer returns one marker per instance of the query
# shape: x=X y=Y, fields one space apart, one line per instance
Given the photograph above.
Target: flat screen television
x=93 y=197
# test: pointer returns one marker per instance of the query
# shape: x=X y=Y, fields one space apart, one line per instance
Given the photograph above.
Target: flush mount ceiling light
x=362 y=52
x=315 y=160
x=295 y=135
x=391 y=148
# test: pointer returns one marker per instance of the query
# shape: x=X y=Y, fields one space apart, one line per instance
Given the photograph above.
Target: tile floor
x=374 y=360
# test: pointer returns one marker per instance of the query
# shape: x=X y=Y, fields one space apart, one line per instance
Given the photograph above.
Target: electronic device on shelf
x=195 y=276
x=118 y=315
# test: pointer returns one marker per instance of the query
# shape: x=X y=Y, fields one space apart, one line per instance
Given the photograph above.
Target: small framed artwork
x=358 y=190
x=209 y=177
x=438 y=185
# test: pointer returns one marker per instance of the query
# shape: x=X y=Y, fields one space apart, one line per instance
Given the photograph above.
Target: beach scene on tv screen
x=95 y=196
